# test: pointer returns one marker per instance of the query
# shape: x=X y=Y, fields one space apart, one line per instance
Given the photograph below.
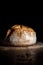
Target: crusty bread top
x=20 y=29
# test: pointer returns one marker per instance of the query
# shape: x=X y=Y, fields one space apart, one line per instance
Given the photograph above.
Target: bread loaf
x=20 y=35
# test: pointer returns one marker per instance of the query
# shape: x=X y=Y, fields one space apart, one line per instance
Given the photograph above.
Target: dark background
x=36 y=22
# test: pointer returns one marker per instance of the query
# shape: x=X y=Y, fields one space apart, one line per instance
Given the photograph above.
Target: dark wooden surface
x=30 y=55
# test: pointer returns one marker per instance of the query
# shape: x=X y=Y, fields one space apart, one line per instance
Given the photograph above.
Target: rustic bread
x=21 y=35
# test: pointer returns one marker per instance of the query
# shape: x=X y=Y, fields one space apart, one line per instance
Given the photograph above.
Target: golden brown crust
x=20 y=29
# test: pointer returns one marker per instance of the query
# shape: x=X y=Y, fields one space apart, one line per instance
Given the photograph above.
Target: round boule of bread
x=20 y=35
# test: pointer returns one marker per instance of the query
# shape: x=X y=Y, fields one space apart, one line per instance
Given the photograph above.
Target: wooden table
x=30 y=55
